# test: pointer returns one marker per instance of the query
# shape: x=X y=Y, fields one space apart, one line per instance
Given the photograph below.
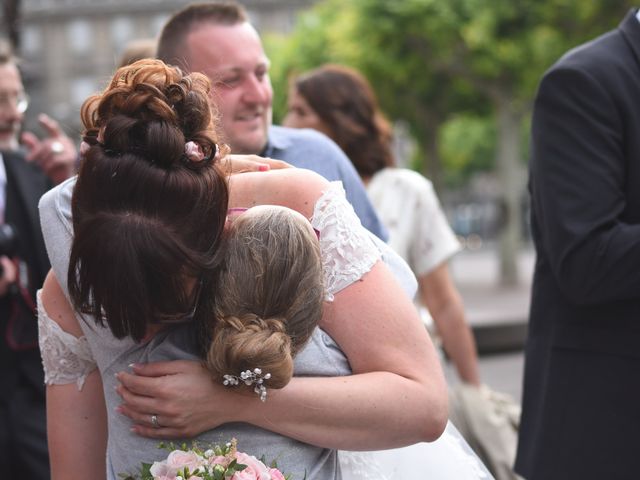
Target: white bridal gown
x=448 y=458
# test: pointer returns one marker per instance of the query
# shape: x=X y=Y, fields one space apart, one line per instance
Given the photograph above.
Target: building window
x=122 y=31
x=79 y=36
x=157 y=23
x=80 y=89
x=31 y=40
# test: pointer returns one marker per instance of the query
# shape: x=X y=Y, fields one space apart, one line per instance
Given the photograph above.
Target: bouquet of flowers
x=213 y=463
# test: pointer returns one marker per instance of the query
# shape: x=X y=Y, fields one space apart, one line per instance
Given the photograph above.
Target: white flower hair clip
x=249 y=378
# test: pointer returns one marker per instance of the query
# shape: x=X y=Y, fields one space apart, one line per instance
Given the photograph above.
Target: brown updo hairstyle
x=345 y=102
x=269 y=296
x=145 y=216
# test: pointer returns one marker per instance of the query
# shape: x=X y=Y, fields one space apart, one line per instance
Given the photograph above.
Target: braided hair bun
x=268 y=294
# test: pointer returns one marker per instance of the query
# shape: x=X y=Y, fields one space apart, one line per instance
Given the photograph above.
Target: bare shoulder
x=57 y=306
x=296 y=188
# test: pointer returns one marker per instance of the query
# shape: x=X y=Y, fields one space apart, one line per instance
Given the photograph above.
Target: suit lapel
x=28 y=184
x=25 y=185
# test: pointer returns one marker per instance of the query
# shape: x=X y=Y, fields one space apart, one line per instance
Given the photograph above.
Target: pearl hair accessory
x=249 y=377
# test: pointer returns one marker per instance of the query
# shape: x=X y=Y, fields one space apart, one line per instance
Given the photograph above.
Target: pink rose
x=256 y=470
x=178 y=460
x=276 y=474
x=161 y=471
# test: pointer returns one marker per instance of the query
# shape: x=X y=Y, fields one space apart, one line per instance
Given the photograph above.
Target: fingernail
x=132 y=365
x=264 y=168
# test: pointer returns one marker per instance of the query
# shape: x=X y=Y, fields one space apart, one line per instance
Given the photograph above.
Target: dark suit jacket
x=581 y=398
x=25 y=185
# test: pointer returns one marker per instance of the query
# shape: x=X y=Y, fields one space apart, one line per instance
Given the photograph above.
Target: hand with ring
x=180 y=394
x=55 y=154
x=154 y=421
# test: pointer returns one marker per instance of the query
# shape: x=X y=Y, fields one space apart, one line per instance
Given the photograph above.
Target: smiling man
x=13 y=103
x=217 y=39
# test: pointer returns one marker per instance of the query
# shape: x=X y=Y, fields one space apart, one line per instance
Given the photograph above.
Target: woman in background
x=339 y=102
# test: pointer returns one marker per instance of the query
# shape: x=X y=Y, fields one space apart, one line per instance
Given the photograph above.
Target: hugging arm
x=397 y=387
x=76 y=418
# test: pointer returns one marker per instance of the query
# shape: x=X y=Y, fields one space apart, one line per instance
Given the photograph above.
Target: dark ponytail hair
x=146 y=216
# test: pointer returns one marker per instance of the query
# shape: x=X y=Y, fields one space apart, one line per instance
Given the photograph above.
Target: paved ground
x=487 y=302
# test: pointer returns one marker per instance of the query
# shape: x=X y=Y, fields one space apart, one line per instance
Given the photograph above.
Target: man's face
x=11 y=90
x=233 y=59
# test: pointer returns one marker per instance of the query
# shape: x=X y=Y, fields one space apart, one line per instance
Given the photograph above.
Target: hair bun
x=150 y=110
x=246 y=342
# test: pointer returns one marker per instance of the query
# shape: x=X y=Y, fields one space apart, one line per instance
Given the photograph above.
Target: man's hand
x=181 y=394
x=55 y=154
x=8 y=276
x=233 y=164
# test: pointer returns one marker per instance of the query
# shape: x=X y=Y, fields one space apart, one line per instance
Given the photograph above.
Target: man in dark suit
x=581 y=399
x=23 y=266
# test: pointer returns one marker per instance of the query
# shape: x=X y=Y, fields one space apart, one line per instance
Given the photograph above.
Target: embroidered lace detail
x=65 y=358
x=348 y=252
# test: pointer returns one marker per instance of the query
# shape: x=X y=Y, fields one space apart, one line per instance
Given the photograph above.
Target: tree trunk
x=510 y=175
x=432 y=164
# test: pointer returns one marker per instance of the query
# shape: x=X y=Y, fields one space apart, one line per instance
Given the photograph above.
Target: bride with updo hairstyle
x=269 y=294
x=147 y=179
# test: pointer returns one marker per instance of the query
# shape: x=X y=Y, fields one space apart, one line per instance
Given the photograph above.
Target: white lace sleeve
x=347 y=249
x=65 y=358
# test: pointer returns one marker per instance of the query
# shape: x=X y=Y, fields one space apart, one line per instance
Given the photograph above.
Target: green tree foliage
x=447 y=66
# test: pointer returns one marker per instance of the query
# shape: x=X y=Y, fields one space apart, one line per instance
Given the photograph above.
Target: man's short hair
x=171 y=45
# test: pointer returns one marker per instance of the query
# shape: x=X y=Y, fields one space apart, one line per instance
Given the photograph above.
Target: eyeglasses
x=19 y=101
x=161 y=319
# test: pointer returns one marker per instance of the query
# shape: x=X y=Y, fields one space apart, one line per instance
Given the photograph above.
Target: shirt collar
x=275 y=141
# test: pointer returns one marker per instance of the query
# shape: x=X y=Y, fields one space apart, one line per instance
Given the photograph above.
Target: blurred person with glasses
x=26 y=172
